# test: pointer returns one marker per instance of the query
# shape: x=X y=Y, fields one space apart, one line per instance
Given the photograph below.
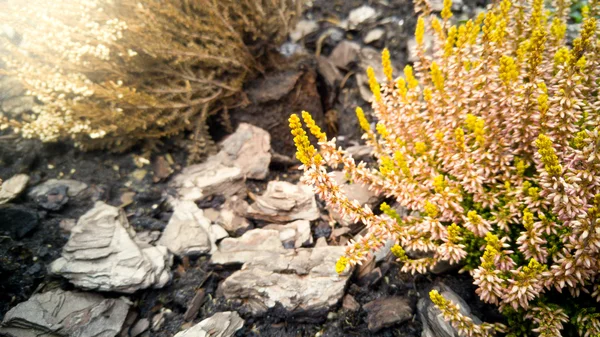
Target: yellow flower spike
x=579 y=139
x=437 y=299
x=558 y=29
x=454 y=233
x=447 y=10
x=427 y=95
x=387 y=64
x=437 y=27
x=420 y=148
x=476 y=126
x=527 y=219
x=521 y=166
x=491 y=239
x=581 y=44
x=489 y=24
x=459 y=136
x=401 y=161
x=505 y=6
x=313 y=127
x=439 y=184
x=410 y=77
x=500 y=32
x=523 y=50
x=536 y=51
x=543 y=104
x=386 y=167
x=399 y=252
x=488 y=258
x=534 y=193
x=420 y=31
x=585 y=11
x=475 y=29
x=431 y=210
x=401 y=85
x=462 y=36
x=548 y=154
x=305 y=151
x=373 y=84
x=341 y=264
x=437 y=77
x=439 y=135
x=381 y=130
x=581 y=64
x=362 y=120
x=562 y=56
x=536 y=15
x=450 y=40
x=508 y=72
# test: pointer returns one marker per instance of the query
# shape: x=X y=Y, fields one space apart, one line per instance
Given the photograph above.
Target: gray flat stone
x=74 y=187
x=221 y=324
x=253 y=244
x=301 y=281
x=387 y=312
x=189 y=231
x=284 y=202
x=101 y=254
x=66 y=313
x=248 y=148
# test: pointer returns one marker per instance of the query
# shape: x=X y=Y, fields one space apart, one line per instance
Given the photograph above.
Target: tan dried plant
x=108 y=74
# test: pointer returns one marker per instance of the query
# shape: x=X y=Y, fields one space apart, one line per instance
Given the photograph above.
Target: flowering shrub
x=109 y=74
x=493 y=137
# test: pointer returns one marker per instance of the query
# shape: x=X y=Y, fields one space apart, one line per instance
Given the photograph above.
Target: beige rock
x=284 y=202
x=101 y=254
x=297 y=232
x=303 y=280
x=221 y=324
x=249 y=149
x=253 y=244
x=13 y=187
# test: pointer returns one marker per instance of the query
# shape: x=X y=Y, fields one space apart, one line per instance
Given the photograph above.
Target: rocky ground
x=100 y=244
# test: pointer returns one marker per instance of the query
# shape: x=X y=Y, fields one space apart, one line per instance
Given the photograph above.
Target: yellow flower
x=420 y=31
x=437 y=77
x=341 y=264
x=313 y=127
x=508 y=72
x=447 y=10
x=306 y=153
x=431 y=210
x=454 y=233
x=450 y=40
x=439 y=184
x=437 y=299
x=399 y=252
x=410 y=77
x=375 y=88
x=548 y=154
x=459 y=136
x=527 y=219
x=401 y=84
x=420 y=148
x=387 y=64
x=362 y=120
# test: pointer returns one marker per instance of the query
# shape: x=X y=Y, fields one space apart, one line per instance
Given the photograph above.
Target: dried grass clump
x=111 y=73
x=494 y=139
